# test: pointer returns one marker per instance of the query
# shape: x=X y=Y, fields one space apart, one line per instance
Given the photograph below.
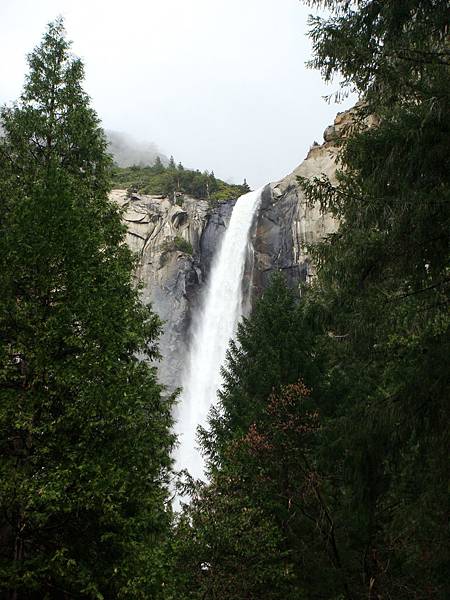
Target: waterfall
x=216 y=324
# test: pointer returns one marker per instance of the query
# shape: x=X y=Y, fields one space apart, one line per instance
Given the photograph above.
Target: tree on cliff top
x=84 y=431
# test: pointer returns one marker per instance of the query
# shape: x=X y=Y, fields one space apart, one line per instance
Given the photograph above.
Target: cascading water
x=216 y=325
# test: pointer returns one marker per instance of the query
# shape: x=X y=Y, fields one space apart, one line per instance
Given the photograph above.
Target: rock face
x=286 y=224
x=215 y=227
x=172 y=277
x=176 y=241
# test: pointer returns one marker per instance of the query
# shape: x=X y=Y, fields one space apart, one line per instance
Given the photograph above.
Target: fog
x=128 y=151
x=219 y=84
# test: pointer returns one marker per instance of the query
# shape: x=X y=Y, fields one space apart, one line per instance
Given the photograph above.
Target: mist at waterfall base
x=215 y=324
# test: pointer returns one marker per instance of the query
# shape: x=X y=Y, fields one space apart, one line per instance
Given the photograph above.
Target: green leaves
x=382 y=291
x=245 y=533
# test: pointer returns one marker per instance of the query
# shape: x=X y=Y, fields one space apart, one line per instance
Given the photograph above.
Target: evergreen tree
x=158 y=166
x=392 y=52
x=382 y=292
x=388 y=266
x=225 y=547
x=84 y=429
x=172 y=164
x=249 y=525
x=245 y=187
x=272 y=348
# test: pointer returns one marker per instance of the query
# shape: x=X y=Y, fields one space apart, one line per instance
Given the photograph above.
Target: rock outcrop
x=172 y=273
x=287 y=224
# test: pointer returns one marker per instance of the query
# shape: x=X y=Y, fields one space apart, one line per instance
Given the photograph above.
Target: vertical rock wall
x=173 y=279
x=286 y=224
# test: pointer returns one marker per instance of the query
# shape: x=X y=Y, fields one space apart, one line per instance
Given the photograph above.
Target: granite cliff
x=176 y=238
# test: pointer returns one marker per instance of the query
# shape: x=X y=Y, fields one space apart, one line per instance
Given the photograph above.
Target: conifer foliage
x=245 y=534
x=84 y=428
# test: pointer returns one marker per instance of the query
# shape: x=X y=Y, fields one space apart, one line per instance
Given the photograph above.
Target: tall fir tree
x=248 y=525
x=158 y=166
x=382 y=292
x=84 y=428
x=272 y=348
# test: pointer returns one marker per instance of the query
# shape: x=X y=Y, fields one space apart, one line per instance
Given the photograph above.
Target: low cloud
x=127 y=151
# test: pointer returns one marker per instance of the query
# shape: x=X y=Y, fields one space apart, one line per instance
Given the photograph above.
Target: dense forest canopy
x=327 y=450
x=175 y=180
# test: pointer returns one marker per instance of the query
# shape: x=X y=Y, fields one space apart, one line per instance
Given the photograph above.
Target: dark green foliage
x=182 y=245
x=390 y=51
x=263 y=524
x=225 y=547
x=84 y=429
x=271 y=349
x=174 y=180
x=382 y=293
x=177 y=243
x=245 y=186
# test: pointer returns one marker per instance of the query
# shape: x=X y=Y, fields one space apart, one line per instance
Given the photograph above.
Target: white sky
x=220 y=84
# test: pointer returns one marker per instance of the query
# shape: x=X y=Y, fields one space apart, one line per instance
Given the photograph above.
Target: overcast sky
x=220 y=84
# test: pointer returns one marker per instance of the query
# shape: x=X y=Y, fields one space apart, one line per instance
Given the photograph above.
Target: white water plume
x=216 y=324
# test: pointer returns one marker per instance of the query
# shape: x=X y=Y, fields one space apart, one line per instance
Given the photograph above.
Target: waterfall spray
x=216 y=325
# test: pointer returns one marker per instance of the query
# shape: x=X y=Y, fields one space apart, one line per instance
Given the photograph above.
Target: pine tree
x=272 y=348
x=245 y=187
x=231 y=525
x=392 y=52
x=84 y=428
x=225 y=547
x=158 y=166
x=382 y=295
x=382 y=291
x=264 y=514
